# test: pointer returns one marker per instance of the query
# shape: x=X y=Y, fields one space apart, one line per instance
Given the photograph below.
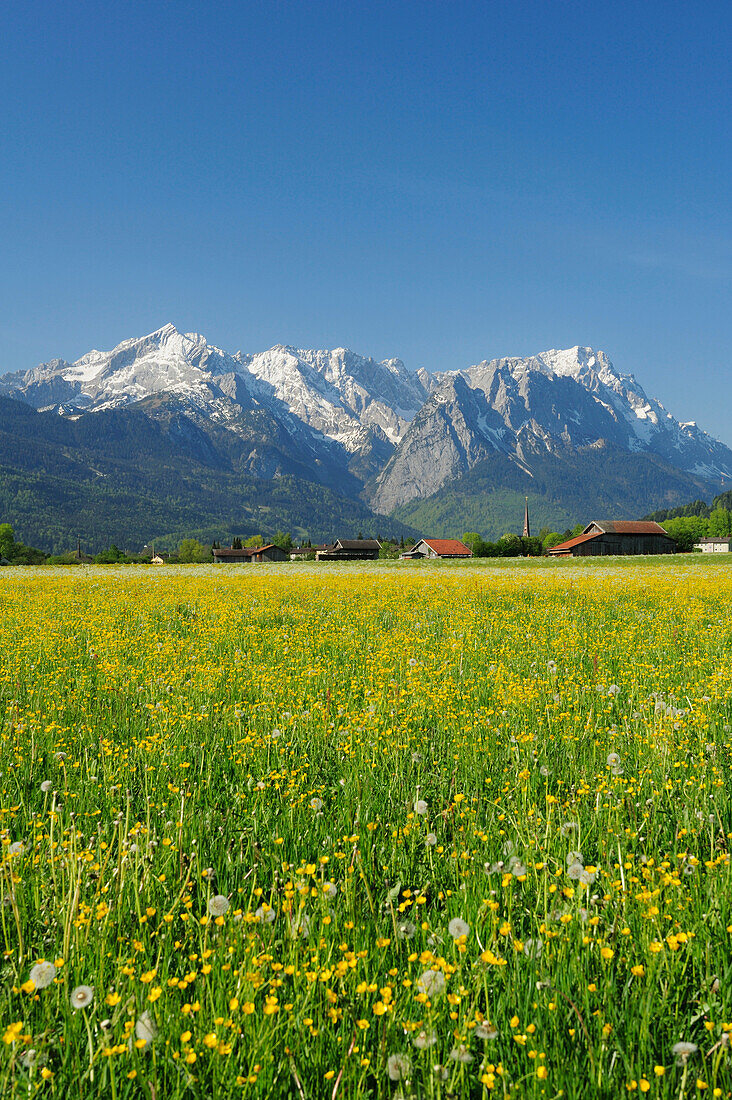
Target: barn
x=350 y=550
x=251 y=554
x=439 y=548
x=617 y=537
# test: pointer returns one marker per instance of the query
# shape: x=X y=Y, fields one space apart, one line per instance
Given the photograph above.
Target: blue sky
x=437 y=180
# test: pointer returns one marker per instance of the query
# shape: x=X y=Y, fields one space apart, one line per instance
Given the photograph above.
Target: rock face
x=374 y=429
x=553 y=401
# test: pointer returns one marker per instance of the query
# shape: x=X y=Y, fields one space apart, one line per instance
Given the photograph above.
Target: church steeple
x=527 y=528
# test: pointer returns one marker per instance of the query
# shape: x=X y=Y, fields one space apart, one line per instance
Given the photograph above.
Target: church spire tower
x=527 y=528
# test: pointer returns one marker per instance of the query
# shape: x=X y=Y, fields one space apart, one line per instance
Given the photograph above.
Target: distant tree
x=532 y=546
x=15 y=552
x=360 y=534
x=112 y=556
x=472 y=539
x=236 y=543
x=27 y=555
x=720 y=523
x=7 y=541
x=510 y=544
x=255 y=540
x=686 y=530
x=191 y=550
x=283 y=540
x=552 y=538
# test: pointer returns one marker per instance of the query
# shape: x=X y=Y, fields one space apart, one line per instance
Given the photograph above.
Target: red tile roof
x=449 y=546
x=562 y=546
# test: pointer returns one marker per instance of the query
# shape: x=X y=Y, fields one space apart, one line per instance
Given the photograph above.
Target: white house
x=717 y=544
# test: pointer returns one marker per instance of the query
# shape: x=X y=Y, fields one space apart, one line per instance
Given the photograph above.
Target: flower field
x=366 y=832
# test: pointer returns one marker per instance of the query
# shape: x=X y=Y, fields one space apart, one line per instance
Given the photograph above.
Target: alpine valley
x=167 y=436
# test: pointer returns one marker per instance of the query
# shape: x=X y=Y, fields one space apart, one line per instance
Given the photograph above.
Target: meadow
x=377 y=831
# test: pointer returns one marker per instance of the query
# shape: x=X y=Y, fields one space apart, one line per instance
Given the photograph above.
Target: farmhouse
x=439 y=548
x=713 y=545
x=350 y=550
x=617 y=537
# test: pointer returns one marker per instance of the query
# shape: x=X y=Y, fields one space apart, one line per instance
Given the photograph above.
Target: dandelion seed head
x=432 y=982
x=398 y=1067
x=42 y=974
x=458 y=927
x=218 y=905
x=82 y=996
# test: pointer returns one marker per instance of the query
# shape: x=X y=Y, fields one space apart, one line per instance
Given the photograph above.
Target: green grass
x=368 y=754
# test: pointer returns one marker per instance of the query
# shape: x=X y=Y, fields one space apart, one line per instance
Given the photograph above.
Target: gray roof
x=359 y=544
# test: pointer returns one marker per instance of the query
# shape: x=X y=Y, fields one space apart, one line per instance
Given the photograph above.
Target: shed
x=439 y=548
x=617 y=537
x=350 y=550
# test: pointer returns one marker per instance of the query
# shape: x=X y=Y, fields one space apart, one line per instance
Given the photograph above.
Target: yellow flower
x=12 y=1032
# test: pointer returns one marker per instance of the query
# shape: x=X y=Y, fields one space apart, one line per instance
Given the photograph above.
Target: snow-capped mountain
x=556 y=400
x=377 y=429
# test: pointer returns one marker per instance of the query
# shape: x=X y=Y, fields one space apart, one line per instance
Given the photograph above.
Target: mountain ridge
x=378 y=433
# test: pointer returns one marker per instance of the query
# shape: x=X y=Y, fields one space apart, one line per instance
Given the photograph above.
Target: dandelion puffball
x=42 y=974
x=420 y=806
x=458 y=928
x=218 y=905
x=398 y=1067
x=145 y=1030
x=82 y=996
x=432 y=983
x=683 y=1051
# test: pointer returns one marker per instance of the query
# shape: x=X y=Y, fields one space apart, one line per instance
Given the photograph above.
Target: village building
x=226 y=554
x=297 y=553
x=438 y=548
x=617 y=537
x=250 y=554
x=350 y=550
x=270 y=552
x=714 y=545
